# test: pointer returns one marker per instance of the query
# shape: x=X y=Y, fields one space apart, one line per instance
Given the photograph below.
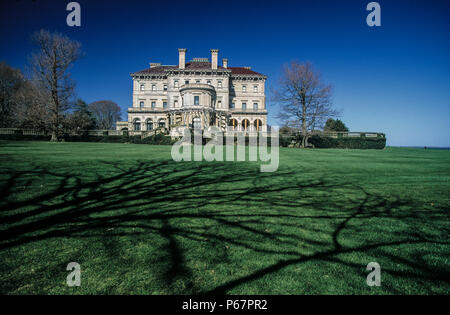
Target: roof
x=243 y=71
x=199 y=66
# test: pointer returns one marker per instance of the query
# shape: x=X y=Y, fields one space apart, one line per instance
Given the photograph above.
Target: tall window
x=141 y=104
x=153 y=87
x=175 y=83
x=175 y=103
x=244 y=88
x=142 y=87
x=244 y=106
x=255 y=106
x=165 y=87
x=208 y=82
x=196 y=100
x=164 y=104
x=219 y=104
x=255 y=88
x=137 y=125
x=219 y=84
x=231 y=105
x=186 y=82
x=149 y=124
x=162 y=123
x=153 y=104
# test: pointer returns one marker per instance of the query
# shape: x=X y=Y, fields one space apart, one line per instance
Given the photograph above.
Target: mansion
x=197 y=94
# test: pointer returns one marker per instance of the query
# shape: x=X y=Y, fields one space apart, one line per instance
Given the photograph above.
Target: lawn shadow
x=198 y=201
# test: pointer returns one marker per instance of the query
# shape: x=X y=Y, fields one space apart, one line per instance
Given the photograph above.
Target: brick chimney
x=181 y=58
x=214 y=56
x=225 y=63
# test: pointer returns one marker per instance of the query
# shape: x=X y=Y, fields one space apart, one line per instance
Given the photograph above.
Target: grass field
x=139 y=223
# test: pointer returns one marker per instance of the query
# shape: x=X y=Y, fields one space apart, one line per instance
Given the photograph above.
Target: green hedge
x=160 y=139
x=21 y=137
x=347 y=143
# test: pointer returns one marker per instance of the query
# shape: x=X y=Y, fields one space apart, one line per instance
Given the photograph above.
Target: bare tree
x=304 y=101
x=11 y=83
x=33 y=110
x=50 y=65
x=106 y=113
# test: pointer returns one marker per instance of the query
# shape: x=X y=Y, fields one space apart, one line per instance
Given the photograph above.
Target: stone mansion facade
x=197 y=94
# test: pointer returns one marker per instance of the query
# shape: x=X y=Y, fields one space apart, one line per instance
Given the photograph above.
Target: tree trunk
x=303 y=122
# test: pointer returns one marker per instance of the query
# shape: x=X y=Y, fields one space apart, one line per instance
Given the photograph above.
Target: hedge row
x=347 y=143
x=160 y=139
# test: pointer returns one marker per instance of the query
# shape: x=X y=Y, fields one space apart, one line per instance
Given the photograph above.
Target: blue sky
x=393 y=79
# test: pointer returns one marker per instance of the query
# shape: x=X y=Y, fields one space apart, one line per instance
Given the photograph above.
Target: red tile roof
x=243 y=71
x=200 y=66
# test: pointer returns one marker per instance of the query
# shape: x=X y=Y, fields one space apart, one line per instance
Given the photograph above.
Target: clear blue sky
x=394 y=78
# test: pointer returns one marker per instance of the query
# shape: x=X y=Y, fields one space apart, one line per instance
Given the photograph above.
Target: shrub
x=347 y=143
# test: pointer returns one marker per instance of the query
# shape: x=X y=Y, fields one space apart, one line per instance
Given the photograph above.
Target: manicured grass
x=139 y=223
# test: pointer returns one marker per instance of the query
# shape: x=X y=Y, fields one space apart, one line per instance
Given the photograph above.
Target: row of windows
x=142 y=87
x=153 y=103
x=176 y=85
x=197 y=102
x=244 y=88
x=244 y=106
x=149 y=124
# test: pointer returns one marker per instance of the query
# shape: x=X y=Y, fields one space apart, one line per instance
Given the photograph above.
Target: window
x=149 y=124
x=255 y=88
x=196 y=100
x=165 y=87
x=164 y=104
x=153 y=87
x=141 y=104
x=186 y=82
x=208 y=82
x=219 y=104
x=219 y=84
x=162 y=123
x=244 y=106
x=142 y=87
x=175 y=83
x=244 y=88
x=153 y=104
x=137 y=125
x=255 y=106
x=197 y=81
x=232 y=105
x=175 y=103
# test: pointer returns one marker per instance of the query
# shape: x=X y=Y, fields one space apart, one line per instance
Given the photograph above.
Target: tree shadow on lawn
x=217 y=205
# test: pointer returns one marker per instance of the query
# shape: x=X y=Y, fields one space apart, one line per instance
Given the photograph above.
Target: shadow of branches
x=216 y=205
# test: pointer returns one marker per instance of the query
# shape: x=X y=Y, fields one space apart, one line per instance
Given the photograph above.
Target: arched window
x=233 y=123
x=137 y=124
x=162 y=123
x=258 y=124
x=196 y=123
x=245 y=124
x=149 y=124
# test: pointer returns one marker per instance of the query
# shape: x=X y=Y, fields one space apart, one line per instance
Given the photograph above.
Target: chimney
x=154 y=64
x=214 y=55
x=181 y=57
x=248 y=68
x=225 y=63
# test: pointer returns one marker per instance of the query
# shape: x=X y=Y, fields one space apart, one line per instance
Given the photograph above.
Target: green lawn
x=139 y=223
